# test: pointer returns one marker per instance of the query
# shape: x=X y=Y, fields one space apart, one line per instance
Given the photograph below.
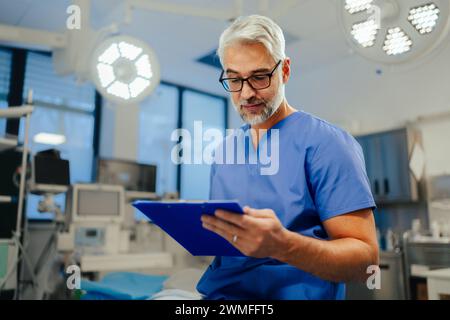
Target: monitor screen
x=98 y=203
x=48 y=170
x=131 y=175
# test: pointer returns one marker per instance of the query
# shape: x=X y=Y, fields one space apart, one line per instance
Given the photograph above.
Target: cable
x=8 y=275
x=28 y=262
x=22 y=255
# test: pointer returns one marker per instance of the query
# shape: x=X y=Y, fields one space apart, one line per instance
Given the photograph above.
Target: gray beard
x=270 y=108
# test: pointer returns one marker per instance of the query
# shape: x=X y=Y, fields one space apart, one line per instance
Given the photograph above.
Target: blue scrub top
x=321 y=175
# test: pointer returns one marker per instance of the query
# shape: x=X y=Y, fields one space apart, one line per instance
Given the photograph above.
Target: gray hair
x=254 y=29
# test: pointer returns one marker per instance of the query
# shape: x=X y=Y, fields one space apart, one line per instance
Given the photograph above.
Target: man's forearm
x=340 y=260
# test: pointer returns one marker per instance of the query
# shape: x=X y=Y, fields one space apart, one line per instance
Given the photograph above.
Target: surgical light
x=355 y=6
x=125 y=69
x=397 y=42
x=393 y=31
x=424 y=18
x=365 y=33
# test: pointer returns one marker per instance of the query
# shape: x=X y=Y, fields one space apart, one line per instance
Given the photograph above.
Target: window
x=5 y=70
x=65 y=108
x=158 y=119
x=210 y=110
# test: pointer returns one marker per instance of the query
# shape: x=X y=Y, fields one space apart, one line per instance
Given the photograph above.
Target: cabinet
x=392 y=280
x=387 y=164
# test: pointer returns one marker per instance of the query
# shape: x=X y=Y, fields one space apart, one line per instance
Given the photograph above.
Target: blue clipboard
x=181 y=220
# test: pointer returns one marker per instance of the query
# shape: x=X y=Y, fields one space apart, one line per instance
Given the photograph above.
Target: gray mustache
x=251 y=102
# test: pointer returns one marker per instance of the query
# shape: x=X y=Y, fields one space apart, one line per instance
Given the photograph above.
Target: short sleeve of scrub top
x=316 y=172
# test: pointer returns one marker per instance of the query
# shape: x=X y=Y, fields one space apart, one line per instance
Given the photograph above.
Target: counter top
x=439 y=274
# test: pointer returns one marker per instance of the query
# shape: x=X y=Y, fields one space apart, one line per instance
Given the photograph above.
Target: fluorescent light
x=355 y=6
x=129 y=51
x=143 y=66
x=125 y=69
x=49 y=138
x=106 y=74
x=365 y=33
x=119 y=89
x=137 y=86
x=397 y=42
x=424 y=18
x=110 y=55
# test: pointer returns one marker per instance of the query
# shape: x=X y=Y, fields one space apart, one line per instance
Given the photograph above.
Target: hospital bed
x=137 y=286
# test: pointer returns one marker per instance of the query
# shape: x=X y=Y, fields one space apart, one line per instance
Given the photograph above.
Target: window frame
x=15 y=97
x=181 y=108
x=16 y=94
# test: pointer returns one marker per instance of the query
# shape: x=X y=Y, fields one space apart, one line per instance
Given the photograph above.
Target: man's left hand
x=257 y=233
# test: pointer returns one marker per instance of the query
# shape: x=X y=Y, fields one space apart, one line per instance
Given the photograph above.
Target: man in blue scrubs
x=307 y=227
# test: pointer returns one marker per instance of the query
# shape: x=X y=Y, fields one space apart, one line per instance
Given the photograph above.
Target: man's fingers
x=222 y=224
x=246 y=210
x=234 y=218
x=257 y=213
x=221 y=232
x=215 y=229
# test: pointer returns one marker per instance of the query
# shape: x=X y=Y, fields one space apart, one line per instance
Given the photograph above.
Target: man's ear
x=286 y=67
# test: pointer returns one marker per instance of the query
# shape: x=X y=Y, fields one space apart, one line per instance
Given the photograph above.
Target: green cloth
x=3 y=260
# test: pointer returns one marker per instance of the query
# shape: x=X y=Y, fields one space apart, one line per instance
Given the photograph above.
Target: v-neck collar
x=283 y=122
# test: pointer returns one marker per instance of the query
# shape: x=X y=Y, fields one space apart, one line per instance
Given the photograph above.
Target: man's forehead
x=242 y=67
x=247 y=58
x=238 y=70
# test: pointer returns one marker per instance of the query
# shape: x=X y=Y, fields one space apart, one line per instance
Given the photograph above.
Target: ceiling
x=179 y=40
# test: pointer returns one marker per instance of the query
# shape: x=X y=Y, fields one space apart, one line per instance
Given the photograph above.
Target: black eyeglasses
x=256 y=81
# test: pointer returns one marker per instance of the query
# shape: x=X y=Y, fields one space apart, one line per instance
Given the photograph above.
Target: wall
x=119 y=131
x=364 y=97
x=352 y=94
x=436 y=136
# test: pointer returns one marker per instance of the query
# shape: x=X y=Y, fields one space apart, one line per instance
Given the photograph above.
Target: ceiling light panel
x=396 y=42
x=355 y=6
x=365 y=33
x=424 y=18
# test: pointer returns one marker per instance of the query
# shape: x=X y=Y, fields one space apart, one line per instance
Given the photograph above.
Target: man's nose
x=247 y=91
